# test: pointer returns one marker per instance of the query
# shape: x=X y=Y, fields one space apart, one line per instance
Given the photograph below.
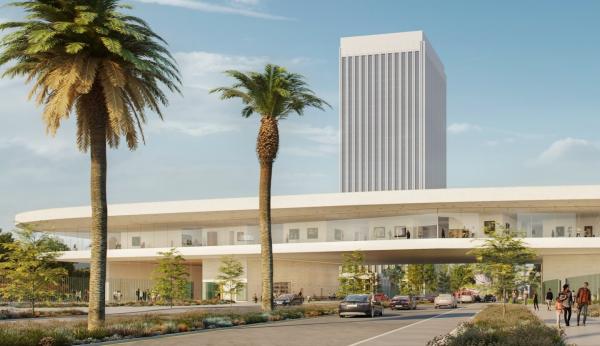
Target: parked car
x=466 y=298
x=489 y=298
x=445 y=300
x=381 y=297
x=403 y=302
x=288 y=299
x=360 y=304
x=429 y=298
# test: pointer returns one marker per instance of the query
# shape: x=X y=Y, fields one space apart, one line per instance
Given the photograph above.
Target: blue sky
x=523 y=100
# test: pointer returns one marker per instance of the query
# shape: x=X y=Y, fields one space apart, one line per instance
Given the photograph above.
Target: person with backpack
x=549 y=298
x=566 y=298
x=583 y=299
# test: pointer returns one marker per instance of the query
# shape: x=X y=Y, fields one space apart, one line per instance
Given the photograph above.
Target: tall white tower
x=392 y=113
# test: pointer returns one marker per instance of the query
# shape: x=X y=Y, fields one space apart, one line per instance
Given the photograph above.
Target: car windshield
x=401 y=297
x=357 y=298
x=444 y=296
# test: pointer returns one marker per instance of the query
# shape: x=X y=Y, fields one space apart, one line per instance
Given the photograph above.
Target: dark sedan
x=403 y=302
x=288 y=299
x=360 y=305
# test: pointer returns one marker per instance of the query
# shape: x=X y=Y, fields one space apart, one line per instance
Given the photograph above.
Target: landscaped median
x=116 y=328
x=519 y=327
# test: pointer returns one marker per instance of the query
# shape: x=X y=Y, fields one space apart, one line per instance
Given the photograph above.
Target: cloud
x=570 y=150
x=195 y=129
x=458 y=128
x=323 y=141
x=52 y=148
x=496 y=142
x=233 y=9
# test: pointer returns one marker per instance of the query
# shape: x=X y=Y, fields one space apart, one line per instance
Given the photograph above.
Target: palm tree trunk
x=96 y=313
x=267 y=145
x=266 y=251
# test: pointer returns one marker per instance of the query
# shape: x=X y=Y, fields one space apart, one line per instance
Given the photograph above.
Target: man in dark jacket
x=583 y=299
x=549 y=298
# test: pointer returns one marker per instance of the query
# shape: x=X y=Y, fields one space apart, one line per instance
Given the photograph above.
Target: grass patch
x=16 y=314
x=117 y=328
x=520 y=327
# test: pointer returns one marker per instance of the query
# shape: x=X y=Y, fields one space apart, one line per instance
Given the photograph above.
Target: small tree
x=501 y=258
x=229 y=275
x=443 y=279
x=355 y=278
x=30 y=269
x=461 y=275
x=170 y=277
x=395 y=274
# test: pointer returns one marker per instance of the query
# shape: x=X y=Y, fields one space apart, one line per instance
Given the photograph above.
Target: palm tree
x=88 y=58
x=273 y=94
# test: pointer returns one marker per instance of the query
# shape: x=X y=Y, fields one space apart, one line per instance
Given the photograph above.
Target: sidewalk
x=580 y=336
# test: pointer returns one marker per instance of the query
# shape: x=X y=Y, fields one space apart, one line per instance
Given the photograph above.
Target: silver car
x=445 y=300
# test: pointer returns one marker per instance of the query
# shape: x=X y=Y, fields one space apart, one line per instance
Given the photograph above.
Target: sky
x=523 y=102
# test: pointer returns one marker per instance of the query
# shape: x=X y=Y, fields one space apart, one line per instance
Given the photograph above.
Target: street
x=394 y=328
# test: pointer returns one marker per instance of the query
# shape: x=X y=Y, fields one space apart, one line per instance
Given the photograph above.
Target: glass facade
x=423 y=225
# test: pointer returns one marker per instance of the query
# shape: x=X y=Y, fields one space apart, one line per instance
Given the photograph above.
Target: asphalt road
x=394 y=328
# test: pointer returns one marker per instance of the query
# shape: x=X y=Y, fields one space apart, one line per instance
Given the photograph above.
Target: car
x=360 y=305
x=467 y=298
x=489 y=298
x=445 y=300
x=381 y=297
x=288 y=299
x=403 y=302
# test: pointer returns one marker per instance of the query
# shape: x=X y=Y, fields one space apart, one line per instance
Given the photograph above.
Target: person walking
x=549 y=298
x=559 y=308
x=535 y=301
x=583 y=299
x=567 y=303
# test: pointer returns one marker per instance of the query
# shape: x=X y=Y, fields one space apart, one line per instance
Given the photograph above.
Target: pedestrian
x=255 y=298
x=549 y=298
x=583 y=299
x=407 y=234
x=137 y=294
x=559 y=308
x=443 y=233
x=567 y=302
x=535 y=301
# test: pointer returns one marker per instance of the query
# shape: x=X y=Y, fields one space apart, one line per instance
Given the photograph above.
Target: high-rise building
x=392 y=113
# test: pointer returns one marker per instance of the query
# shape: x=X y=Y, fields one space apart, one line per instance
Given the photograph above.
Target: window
x=294 y=234
x=339 y=234
x=489 y=226
x=136 y=241
x=186 y=240
x=312 y=233
x=379 y=232
x=399 y=232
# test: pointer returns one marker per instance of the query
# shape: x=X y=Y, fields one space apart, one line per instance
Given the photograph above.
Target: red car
x=381 y=297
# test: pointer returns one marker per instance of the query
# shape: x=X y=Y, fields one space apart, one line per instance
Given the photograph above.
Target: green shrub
x=519 y=328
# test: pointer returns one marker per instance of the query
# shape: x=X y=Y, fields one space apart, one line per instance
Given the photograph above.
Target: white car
x=444 y=300
x=465 y=298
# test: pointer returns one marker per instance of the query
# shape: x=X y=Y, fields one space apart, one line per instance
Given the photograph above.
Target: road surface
x=394 y=328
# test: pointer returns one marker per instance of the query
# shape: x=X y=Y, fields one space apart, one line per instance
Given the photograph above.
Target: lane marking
x=404 y=327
